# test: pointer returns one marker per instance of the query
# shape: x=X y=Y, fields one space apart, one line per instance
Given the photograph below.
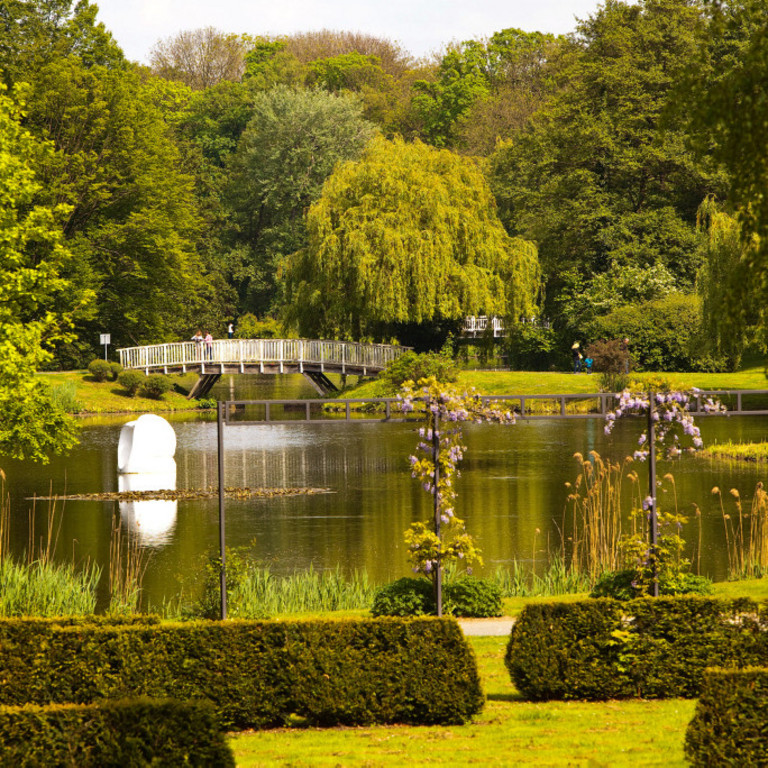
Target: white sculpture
x=147 y=445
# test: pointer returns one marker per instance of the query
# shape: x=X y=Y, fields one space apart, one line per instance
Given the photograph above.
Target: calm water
x=513 y=482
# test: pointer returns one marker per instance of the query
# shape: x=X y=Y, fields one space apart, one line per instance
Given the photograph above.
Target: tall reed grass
x=592 y=525
x=746 y=534
x=40 y=586
x=127 y=566
x=558 y=579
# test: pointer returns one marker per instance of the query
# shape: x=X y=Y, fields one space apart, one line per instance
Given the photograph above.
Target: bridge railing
x=234 y=351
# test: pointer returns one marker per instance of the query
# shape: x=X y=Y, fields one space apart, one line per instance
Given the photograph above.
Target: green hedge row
x=730 y=725
x=652 y=648
x=127 y=734
x=256 y=674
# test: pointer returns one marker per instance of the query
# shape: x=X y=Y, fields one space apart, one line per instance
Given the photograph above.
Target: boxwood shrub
x=464 y=596
x=652 y=647
x=140 y=732
x=256 y=674
x=730 y=725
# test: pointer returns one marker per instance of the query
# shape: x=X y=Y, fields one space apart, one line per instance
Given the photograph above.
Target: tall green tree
x=133 y=219
x=728 y=110
x=406 y=235
x=32 y=255
x=602 y=179
x=34 y=33
x=289 y=148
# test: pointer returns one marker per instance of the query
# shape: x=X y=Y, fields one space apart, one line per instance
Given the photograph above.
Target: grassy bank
x=756 y=452
x=509 y=731
x=79 y=392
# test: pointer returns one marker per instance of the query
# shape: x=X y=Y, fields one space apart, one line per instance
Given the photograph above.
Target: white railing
x=334 y=354
x=477 y=326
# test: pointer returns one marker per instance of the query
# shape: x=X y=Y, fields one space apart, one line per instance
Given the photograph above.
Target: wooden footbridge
x=310 y=357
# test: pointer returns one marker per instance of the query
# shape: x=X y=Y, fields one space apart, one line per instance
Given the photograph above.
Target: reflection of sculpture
x=147 y=445
x=145 y=463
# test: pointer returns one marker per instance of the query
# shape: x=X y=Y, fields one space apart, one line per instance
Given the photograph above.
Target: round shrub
x=99 y=369
x=623 y=585
x=412 y=366
x=130 y=381
x=156 y=386
x=470 y=597
x=114 y=371
x=404 y=597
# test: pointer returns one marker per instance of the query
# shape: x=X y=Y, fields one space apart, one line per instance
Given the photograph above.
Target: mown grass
x=509 y=731
x=82 y=394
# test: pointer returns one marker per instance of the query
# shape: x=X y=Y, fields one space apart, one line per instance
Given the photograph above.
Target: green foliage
x=532 y=347
x=131 y=381
x=133 y=218
x=664 y=335
x=730 y=302
x=601 y=180
x=155 y=386
x=462 y=596
x=472 y=597
x=34 y=311
x=730 y=69
x=651 y=648
x=250 y=327
x=256 y=674
x=413 y=366
x=101 y=370
x=123 y=732
x=729 y=724
x=291 y=144
x=405 y=597
x=624 y=585
x=44 y=588
x=36 y=33
x=115 y=369
x=64 y=396
x=408 y=234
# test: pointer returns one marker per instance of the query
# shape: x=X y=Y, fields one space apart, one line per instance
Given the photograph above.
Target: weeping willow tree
x=407 y=234
x=730 y=308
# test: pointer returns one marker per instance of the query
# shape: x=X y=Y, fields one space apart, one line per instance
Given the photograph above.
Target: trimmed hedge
x=730 y=725
x=651 y=648
x=256 y=674
x=465 y=596
x=136 y=733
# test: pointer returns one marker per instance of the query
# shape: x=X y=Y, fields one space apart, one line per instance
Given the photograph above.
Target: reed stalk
x=127 y=566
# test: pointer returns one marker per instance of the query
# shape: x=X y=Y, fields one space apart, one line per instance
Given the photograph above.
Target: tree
x=133 y=219
x=200 y=58
x=289 y=148
x=731 y=303
x=602 y=179
x=34 y=33
x=31 y=256
x=409 y=234
x=729 y=118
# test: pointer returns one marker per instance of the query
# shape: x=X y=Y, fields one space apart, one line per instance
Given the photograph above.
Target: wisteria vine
x=438 y=453
x=671 y=415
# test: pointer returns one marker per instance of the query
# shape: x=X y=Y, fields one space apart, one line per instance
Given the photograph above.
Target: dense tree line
x=604 y=180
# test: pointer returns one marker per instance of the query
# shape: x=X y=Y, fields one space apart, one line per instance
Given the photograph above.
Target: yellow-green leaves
x=408 y=234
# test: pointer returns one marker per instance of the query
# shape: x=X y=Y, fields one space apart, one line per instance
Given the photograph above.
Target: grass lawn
x=91 y=396
x=507 y=732
x=558 y=383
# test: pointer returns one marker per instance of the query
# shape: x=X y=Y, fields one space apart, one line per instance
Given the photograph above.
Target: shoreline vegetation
x=82 y=395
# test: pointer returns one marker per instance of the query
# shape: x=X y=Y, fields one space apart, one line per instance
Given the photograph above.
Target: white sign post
x=105 y=340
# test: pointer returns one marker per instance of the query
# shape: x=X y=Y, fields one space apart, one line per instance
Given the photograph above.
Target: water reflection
x=512 y=483
x=152 y=521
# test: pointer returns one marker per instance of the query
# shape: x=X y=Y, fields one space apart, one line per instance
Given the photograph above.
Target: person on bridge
x=208 y=346
x=198 y=339
x=230 y=330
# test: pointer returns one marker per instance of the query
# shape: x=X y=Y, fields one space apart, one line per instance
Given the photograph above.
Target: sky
x=420 y=26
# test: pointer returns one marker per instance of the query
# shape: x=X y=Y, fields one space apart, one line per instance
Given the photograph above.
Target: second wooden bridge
x=312 y=358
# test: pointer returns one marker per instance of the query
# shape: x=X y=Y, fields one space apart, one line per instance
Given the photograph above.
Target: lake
x=512 y=483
